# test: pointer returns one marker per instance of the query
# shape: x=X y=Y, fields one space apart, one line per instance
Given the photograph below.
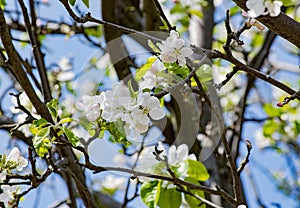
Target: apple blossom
x=91 y=106
x=179 y=154
x=261 y=7
x=7 y=196
x=173 y=49
x=256 y=7
x=273 y=7
x=119 y=104
x=111 y=182
x=16 y=157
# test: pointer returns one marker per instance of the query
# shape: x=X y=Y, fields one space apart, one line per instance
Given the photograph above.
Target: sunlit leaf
x=169 y=198
x=192 y=201
x=86 y=3
x=71 y=136
x=142 y=71
x=72 y=2
x=149 y=193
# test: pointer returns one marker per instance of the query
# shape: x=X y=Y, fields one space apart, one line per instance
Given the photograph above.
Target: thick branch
x=282 y=25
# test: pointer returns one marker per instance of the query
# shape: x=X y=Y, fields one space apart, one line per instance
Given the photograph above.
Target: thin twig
x=38 y=56
x=177 y=181
x=89 y=18
x=286 y=100
x=162 y=15
x=246 y=160
x=228 y=78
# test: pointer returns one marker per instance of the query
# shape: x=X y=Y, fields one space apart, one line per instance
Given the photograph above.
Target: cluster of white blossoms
x=263 y=7
x=173 y=49
x=135 y=109
x=120 y=104
x=14 y=161
x=8 y=193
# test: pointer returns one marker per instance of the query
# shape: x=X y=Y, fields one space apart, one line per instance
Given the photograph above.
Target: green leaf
x=71 y=136
x=149 y=193
x=116 y=129
x=37 y=125
x=72 y=2
x=205 y=73
x=93 y=31
x=182 y=72
x=169 y=198
x=65 y=120
x=270 y=127
x=43 y=132
x=196 y=170
x=131 y=90
x=52 y=107
x=272 y=111
x=86 y=3
x=153 y=46
x=196 y=12
x=2 y=4
x=142 y=71
x=41 y=145
x=288 y=3
x=192 y=201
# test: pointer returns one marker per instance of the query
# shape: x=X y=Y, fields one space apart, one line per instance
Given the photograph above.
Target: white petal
x=152 y=102
x=142 y=119
x=157 y=113
x=182 y=152
x=14 y=154
x=92 y=115
x=172 y=155
x=179 y=43
x=186 y=51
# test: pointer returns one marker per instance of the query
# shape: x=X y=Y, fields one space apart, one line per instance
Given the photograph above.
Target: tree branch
x=282 y=25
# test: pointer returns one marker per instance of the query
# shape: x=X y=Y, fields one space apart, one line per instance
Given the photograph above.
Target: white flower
x=111 y=182
x=150 y=104
x=273 y=7
x=146 y=158
x=173 y=49
x=65 y=76
x=179 y=155
x=91 y=105
x=16 y=157
x=7 y=196
x=256 y=7
x=150 y=79
x=118 y=102
x=64 y=64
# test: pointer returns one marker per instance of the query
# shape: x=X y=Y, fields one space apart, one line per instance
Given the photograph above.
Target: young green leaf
x=197 y=170
x=71 y=136
x=72 y=2
x=52 y=107
x=41 y=145
x=192 y=201
x=149 y=193
x=65 y=120
x=86 y=3
x=142 y=71
x=169 y=198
